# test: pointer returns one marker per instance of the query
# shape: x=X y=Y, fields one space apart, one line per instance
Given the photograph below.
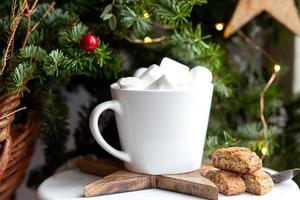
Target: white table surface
x=69 y=185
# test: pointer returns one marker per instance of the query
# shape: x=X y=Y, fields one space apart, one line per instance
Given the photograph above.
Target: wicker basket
x=16 y=147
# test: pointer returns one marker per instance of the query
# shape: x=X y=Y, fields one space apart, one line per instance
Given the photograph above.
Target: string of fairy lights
x=276 y=68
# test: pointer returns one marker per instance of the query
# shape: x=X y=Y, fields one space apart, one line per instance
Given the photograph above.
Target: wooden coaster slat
x=190 y=183
x=99 y=167
x=124 y=181
x=120 y=181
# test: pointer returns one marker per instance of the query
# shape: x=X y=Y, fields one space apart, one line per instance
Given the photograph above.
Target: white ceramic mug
x=161 y=132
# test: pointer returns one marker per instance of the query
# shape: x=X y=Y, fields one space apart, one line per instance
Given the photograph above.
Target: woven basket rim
x=10 y=137
x=23 y=146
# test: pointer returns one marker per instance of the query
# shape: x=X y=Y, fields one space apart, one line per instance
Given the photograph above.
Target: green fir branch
x=71 y=38
x=252 y=137
x=132 y=18
x=222 y=88
x=33 y=53
x=173 y=12
x=102 y=55
x=18 y=79
x=55 y=61
x=89 y=61
x=53 y=127
x=76 y=62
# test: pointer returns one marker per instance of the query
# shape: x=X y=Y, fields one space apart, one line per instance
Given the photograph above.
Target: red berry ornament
x=89 y=42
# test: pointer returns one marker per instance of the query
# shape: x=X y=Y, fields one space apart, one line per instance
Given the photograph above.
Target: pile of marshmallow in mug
x=169 y=75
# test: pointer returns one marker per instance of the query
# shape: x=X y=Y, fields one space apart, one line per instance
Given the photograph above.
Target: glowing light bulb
x=264 y=151
x=147 y=40
x=277 y=68
x=219 y=26
x=146 y=14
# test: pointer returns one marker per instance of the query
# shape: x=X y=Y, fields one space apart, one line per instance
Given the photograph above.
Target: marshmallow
x=161 y=84
x=139 y=72
x=199 y=75
x=115 y=85
x=153 y=73
x=131 y=83
x=170 y=75
x=176 y=72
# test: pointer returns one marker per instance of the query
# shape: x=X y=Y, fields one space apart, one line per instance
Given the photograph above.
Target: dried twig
x=13 y=9
x=28 y=32
x=262 y=102
x=50 y=7
x=163 y=26
x=268 y=84
x=13 y=28
x=255 y=45
x=11 y=113
x=34 y=6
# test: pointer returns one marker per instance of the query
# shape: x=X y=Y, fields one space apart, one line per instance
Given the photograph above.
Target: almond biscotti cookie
x=227 y=182
x=236 y=159
x=204 y=169
x=258 y=182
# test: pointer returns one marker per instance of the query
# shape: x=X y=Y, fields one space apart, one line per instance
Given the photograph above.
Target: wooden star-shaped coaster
x=284 y=11
x=122 y=180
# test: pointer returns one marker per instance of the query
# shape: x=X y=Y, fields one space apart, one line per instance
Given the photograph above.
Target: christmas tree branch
x=50 y=7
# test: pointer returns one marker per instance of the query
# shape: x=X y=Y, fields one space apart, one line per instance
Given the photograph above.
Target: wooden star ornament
x=116 y=179
x=284 y=11
x=125 y=181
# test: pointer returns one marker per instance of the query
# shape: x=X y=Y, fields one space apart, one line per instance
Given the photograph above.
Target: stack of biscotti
x=236 y=170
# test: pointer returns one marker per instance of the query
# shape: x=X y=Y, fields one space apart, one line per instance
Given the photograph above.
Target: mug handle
x=93 y=121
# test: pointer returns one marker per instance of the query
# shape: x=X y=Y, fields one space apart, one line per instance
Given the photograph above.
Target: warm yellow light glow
x=219 y=26
x=264 y=151
x=146 y=14
x=147 y=40
x=277 y=68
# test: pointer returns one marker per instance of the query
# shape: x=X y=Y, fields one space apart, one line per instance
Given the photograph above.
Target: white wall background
x=296 y=74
